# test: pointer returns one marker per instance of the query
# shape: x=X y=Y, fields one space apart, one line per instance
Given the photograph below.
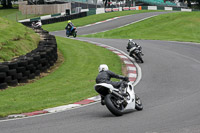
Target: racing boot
x=102 y=100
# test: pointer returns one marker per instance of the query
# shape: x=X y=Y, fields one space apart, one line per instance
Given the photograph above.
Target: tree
x=189 y=3
x=6 y=3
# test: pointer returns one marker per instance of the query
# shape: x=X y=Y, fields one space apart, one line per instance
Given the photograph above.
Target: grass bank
x=179 y=26
x=15 y=14
x=72 y=81
x=90 y=19
x=15 y=39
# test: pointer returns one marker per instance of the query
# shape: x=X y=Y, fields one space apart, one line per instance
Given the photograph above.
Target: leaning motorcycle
x=137 y=54
x=117 y=103
x=35 y=25
x=72 y=33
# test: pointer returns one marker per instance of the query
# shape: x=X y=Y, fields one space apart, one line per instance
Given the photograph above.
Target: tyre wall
x=26 y=67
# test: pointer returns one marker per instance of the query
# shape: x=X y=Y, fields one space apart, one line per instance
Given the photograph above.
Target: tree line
x=8 y=3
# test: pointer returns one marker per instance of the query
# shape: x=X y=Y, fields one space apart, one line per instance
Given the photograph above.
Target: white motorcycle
x=117 y=103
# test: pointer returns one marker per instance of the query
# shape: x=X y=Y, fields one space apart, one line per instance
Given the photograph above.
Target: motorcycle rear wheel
x=112 y=105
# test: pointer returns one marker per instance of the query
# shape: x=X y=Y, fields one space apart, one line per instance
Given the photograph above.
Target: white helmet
x=103 y=67
x=130 y=40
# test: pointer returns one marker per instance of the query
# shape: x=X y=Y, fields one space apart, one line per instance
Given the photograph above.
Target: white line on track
x=124 y=25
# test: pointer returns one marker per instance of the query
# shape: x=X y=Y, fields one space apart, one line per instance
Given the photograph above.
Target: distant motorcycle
x=136 y=53
x=72 y=33
x=37 y=25
x=117 y=103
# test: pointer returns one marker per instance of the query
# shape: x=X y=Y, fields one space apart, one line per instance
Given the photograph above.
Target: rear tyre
x=112 y=105
x=3 y=86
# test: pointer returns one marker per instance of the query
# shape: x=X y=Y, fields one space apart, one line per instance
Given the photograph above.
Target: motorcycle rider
x=37 y=25
x=132 y=45
x=69 y=27
x=105 y=75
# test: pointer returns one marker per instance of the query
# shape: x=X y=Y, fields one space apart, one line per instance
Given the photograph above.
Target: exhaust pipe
x=117 y=94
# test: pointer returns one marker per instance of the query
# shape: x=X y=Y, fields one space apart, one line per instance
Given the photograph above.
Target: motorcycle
x=36 y=25
x=136 y=53
x=117 y=103
x=72 y=33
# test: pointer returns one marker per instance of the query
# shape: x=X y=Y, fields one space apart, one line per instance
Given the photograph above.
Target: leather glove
x=126 y=78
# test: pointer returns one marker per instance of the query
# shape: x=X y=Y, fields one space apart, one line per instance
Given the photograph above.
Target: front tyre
x=74 y=34
x=113 y=105
x=138 y=103
x=140 y=58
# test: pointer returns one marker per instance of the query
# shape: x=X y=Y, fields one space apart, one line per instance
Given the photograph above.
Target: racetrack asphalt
x=114 y=23
x=169 y=89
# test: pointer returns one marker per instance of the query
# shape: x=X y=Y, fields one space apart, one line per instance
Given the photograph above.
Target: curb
x=132 y=74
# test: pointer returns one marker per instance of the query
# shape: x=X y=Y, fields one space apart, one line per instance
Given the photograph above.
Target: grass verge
x=15 y=39
x=90 y=19
x=72 y=81
x=179 y=26
x=15 y=14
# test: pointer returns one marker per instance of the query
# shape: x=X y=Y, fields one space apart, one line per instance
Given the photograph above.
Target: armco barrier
x=26 y=67
x=91 y=11
x=54 y=18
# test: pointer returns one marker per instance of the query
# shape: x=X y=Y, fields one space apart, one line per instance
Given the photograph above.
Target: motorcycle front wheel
x=138 y=103
x=140 y=58
x=74 y=34
x=113 y=105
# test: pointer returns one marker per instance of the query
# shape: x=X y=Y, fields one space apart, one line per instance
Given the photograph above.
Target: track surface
x=169 y=90
x=124 y=20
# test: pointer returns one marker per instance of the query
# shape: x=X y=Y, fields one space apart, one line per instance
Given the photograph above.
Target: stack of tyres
x=26 y=67
x=22 y=63
x=3 y=75
x=12 y=75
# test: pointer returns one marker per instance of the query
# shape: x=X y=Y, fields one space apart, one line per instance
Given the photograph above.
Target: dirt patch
x=124 y=69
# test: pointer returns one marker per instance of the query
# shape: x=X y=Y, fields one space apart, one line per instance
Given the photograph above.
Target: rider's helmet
x=103 y=67
x=69 y=21
x=130 y=41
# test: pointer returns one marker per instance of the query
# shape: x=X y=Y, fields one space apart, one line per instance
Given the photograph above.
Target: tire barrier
x=26 y=67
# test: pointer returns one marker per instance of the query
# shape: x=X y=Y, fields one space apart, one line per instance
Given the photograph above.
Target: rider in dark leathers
x=69 y=27
x=132 y=44
x=105 y=75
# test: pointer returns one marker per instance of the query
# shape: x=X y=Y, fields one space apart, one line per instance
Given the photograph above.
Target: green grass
x=90 y=19
x=74 y=80
x=179 y=26
x=15 y=14
x=15 y=39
